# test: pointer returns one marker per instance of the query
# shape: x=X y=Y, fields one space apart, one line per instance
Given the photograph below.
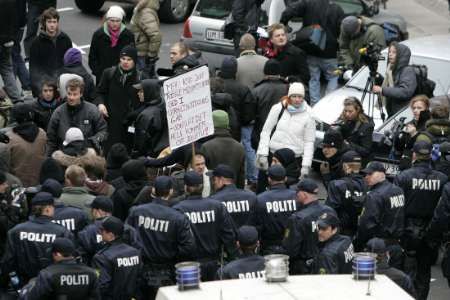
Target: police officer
x=65 y=278
x=300 y=239
x=71 y=217
x=90 y=239
x=346 y=195
x=423 y=188
x=273 y=208
x=250 y=265
x=335 y=250
x=239 y=203
x=383 y=212
x=378 y=247
x=211 y=224
x=34 y=238
x=118 y=264
x=165 y=234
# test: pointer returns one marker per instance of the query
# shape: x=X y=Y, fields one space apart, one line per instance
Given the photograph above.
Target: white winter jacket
x=296 y=131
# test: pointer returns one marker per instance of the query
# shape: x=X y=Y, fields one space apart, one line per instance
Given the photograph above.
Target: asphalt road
x=424 y=17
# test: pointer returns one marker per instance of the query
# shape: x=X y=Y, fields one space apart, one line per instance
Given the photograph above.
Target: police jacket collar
x=383 y=265
x=196 y=197
x=422 y=164
x=160 y=201
x=379 y=184
x=228 y=187
x=279 y=186
x=70 y=261
x=330 y=240
x=41 y=219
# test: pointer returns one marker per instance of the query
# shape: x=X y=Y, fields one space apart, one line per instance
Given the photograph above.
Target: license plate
x=214 y=35
x=391 y=169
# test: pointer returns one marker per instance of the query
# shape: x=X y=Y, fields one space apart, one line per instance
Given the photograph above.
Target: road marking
x=62 y=9
x=81 y=47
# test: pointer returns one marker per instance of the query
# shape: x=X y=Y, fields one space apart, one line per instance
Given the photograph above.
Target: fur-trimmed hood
x=66 y=160
x=152 y=4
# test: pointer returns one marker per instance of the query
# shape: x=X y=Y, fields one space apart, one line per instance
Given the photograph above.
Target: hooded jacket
x=145 y=26
x=224 y=101
x=287 y=159
x=405 y=82
x=70 y=156
x=185 y=64
x=435 y=129
x=151 y=132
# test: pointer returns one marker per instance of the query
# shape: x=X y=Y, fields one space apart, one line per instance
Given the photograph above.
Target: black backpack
x=425 y=86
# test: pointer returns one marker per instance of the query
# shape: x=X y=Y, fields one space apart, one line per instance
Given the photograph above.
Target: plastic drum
x=277 y=267
x=188 y=275
x=364 y=266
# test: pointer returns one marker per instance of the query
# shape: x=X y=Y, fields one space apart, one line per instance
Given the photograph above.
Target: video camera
x=370 y=55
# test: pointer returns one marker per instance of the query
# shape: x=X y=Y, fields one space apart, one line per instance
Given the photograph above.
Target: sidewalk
x=424 y=17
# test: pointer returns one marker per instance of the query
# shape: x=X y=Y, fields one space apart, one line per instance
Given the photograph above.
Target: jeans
x=250 y=157
x=20 y=70
x=7 y=73
x=318 y=65
x=33 y=15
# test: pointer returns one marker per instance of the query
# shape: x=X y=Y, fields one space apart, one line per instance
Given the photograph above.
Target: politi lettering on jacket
x=237 y=206
x=281 y=206
x=313 y=226
x=153 y=224
x=37 y=237
x=127 y=261
x=199 y=217
x=252 y=275
x=99 y=238
x=74 y=279
x=397 y=201
x=68 y=223
x=426 y=184
x=348 y=254
x=348 y=194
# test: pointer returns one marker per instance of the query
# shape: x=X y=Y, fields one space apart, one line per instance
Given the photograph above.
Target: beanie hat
x=134 y=170
x=22 y=112
x=285 y=156
x=129 y=51
x=115 y=12
x=117 y=155
x=272 y=67
x=51 y=169
x=72 y=57
x=53 y=187
x=220 y=119
x=296 y=88
x=350 y=25
x=229 y=67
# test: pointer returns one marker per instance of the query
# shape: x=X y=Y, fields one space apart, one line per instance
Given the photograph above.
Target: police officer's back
x=250 y=265
x=118 y=264
x=165 y=234
x=239 y=203
x=273 y=208
x=383 y=212
x=65 y=278
x=346 y=195
x=300 y=239
x=71 y=217
x=211 y=225
x=335 y=250
x=26 y=250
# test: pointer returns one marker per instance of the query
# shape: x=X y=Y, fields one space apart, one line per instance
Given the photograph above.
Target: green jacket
x=145 y=26
x=435 y=129
x=77 y=197
x=349 y=48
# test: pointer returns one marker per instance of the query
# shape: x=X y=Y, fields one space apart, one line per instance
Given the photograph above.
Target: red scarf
x=271 y=52
x=114 y=36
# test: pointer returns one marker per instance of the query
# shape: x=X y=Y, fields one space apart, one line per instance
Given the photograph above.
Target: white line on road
x=62 y=9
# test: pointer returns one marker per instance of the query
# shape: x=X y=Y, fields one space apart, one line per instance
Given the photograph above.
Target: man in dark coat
x=47 y=50
x=293 y=64
x=246 y=15
x=108 y=41
x=223 y=149
x=267 y=93
x=181 y=60
x=116 y=96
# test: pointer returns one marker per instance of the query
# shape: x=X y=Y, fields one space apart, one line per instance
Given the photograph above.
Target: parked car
x=171 y=11
x=432 y=51
x=203 y=29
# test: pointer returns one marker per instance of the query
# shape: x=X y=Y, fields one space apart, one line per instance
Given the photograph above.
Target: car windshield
x=351 y=7
x=217 y=9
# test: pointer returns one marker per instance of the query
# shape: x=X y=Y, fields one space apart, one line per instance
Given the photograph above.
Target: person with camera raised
x=356 y=34
x=399 y=83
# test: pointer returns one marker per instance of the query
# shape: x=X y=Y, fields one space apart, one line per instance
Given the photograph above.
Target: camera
x=370 y=55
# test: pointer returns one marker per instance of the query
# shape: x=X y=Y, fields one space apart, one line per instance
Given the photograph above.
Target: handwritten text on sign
x=188 y=105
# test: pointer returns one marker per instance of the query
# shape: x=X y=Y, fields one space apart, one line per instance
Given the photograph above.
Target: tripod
x=371 y=81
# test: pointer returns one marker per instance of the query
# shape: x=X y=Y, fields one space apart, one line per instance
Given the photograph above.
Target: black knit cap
x=129 y=51
x=272 y=67
x=22 y=112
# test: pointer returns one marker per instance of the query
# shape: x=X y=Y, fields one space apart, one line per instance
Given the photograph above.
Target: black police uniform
x=341 y=195
x=300 y=239
x=66 y=279
x=90 y=241
x=27 y=246
x=73 y=218
x=383 y=217
x=423 y=188
x=273 y=209
x=246 y=267
x=397 y=276
x=166 y=238
x=335 y=256
x=212 y=227
x=239 y=203
x=119 y=266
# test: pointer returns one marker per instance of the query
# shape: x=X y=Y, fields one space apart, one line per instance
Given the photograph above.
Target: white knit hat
x=115 y=12
x=296 y=88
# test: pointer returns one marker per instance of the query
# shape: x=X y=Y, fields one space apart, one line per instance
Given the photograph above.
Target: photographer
x=357 y=33
x=356 y=127
x=399 y=82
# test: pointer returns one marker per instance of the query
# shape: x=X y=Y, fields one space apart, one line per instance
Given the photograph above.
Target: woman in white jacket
x=289 y=125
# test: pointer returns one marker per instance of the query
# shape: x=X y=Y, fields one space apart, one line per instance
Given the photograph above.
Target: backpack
x=425 y=86
x=436 y=141
x=391 y=32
